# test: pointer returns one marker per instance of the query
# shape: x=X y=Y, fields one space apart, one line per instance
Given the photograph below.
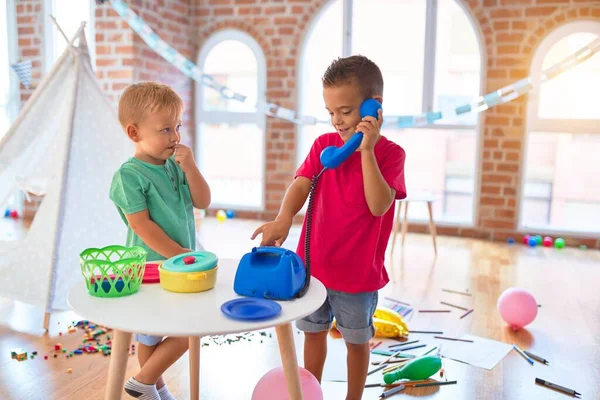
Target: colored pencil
x=434 y=311
x=537 y=358
x=529 y=360
x=403 y=344
x=467 y=313
x=457 y=292
x=374 y=346
x=432 y=332
x=454 y=305
x=436 y=383
x=391 y=392
x=455 y=339
x=557 y=387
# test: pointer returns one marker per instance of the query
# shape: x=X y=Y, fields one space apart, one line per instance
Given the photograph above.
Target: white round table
x=155 y=311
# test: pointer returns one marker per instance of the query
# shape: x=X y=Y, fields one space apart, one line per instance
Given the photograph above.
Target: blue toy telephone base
x=270 y=272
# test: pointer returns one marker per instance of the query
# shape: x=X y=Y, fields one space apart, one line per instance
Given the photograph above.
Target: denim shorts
x=353 y=313
x=148 y=340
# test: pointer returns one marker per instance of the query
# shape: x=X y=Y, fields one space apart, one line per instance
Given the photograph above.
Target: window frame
x=234 y=117
x=14 y=103
x=428 y=87
x=51 y=34
x=552 y=125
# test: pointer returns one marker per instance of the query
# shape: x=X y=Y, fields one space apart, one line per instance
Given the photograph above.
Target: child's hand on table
x=273 y=233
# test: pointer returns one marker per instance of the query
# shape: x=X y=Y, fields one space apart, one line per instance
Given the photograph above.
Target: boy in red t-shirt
x=352 y=218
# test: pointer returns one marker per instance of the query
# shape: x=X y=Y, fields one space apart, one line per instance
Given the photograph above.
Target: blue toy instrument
x=270 y=272
x=279 y=274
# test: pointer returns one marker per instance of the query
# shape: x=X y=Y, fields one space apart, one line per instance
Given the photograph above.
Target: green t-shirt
x=164 y=191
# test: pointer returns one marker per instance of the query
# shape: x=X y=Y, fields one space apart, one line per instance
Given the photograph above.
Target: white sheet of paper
x=482 y=353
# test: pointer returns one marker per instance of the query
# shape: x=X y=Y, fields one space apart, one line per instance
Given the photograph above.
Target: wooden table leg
x=194 y=367
x=405 y=222
x=287 y=349
x=432 y=229
x=121 y=343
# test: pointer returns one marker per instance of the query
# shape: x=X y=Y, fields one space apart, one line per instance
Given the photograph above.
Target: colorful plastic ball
x=14 y=214
x=272 y=386
x=230 y=213
x=517 y=307
x=538 y=239
x=511 y=240
x=583 y=247
x=532 y=241
x=559 y=243
x=526 y=239
x=7 y=213
x=547 y=241
x=221 y=215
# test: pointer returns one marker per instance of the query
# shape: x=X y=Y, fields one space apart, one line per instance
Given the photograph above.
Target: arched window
x=560 y=190
x=430 y=57
x=231 y=133
x=69 y=14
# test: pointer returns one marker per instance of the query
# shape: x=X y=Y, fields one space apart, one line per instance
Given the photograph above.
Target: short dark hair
x=355 y=69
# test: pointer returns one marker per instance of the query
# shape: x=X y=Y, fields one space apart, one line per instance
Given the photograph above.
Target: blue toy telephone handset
x=275 y=273
x=332 y=157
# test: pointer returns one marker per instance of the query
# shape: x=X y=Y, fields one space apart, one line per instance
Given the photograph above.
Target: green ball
x=538 y=239
x=559 y=243
x=583 y=247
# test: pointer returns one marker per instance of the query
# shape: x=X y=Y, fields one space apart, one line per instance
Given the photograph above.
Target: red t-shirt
x=348 y=243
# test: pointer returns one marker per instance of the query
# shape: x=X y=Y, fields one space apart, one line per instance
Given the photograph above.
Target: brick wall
x=512 y=29
x=30 y=30
x=124 y=58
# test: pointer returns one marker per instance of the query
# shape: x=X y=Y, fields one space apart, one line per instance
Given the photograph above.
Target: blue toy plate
x=251 y=309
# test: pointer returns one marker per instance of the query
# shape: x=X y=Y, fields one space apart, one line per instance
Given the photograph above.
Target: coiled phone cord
x=307 y=234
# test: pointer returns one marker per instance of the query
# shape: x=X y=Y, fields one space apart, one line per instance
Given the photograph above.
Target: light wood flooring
x=566 y=331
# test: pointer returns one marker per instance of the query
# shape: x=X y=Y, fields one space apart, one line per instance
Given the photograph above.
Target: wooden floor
x=566 y=331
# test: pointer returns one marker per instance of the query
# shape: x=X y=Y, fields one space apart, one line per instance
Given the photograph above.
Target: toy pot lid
x=196 y=261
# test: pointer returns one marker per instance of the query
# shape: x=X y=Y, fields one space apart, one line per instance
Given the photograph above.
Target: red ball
x=547 y=241
x=526 y=239
x=14 y=214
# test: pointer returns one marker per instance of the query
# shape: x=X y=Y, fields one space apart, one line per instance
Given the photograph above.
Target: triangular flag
x=23 y=70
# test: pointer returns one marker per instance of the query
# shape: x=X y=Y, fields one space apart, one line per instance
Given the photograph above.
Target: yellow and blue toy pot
x=190 y=272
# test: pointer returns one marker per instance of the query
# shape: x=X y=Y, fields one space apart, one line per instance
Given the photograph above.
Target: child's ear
x=379 y=99
x=133 y=132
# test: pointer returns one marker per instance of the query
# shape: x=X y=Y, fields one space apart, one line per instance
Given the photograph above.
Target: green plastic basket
x=113 y=271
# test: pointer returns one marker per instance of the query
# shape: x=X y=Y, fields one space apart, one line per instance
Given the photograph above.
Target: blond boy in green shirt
x=155 y=192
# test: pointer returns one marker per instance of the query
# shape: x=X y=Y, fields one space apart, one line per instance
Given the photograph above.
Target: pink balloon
x=517 y=307
x=272 y=386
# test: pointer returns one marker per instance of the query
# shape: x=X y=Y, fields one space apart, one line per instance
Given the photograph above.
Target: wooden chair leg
x=405 y=222
x=47 y=321
x=432 y=229
x=194 y=342
x=396 y=226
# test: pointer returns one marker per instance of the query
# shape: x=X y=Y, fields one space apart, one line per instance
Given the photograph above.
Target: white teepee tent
x=66 y=143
